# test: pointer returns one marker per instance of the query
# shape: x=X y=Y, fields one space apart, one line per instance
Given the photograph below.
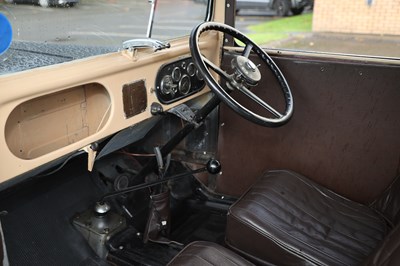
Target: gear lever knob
x=213 y=166
x=101 y=208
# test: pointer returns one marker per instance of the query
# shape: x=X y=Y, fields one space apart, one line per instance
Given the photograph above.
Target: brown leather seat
x=388 y=251
x=287 y=219
x=203 y=253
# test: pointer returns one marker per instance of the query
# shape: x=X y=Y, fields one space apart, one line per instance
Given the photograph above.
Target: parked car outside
x=282 y=7
x=46 y=3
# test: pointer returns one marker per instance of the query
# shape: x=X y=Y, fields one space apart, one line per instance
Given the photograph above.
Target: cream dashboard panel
x=50 y=112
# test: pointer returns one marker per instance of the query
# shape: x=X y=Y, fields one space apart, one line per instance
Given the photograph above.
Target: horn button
x=245 y=71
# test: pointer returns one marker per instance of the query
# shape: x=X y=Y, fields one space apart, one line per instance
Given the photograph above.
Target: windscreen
x=37 y=33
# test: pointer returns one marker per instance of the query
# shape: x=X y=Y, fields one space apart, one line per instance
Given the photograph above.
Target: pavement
x=375 y=45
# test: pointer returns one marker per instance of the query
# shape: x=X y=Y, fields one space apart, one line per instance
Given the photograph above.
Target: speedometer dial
x=184 y=84
x=191 y=69
x=176 y=74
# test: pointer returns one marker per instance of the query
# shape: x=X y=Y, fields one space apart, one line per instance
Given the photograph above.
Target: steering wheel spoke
x=218 y=70
x=259 y=101
x=247 y=50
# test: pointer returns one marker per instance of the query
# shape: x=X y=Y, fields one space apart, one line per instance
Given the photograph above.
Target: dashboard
x=61 y=109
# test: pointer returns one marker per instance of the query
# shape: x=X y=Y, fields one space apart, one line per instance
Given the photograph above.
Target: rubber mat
x=37 y=226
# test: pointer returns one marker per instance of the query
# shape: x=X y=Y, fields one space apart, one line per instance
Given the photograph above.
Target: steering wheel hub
x=245 y=70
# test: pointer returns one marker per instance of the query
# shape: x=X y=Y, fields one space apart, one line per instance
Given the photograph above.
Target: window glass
x=46 y=32
x=362 y=27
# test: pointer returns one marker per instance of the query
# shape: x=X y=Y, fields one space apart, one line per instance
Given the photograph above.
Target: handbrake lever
x=213 y=167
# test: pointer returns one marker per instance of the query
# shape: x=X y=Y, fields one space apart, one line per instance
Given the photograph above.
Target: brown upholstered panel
x=344 y=134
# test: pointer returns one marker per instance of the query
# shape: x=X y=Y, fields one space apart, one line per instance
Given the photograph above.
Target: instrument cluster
x=178 y=80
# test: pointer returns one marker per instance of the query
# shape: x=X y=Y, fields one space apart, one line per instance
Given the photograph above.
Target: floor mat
x=38 y=230
x=139 y=254
x=37 y=226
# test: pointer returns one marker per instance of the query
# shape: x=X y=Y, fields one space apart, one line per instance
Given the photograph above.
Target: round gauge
x=167 y=86
x=185 y=84
x=191 y=69
x=199 y=75
x=176 y=74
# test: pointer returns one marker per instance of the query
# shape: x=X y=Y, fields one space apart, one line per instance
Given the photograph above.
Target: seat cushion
x=287 y=219
x=207 y=253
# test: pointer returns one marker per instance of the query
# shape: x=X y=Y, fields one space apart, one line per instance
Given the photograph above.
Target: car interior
x=207 y=149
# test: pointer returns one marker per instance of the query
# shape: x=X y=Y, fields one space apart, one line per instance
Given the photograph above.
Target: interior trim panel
x=47 y=123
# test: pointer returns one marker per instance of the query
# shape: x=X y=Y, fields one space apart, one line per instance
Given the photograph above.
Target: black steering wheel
x=246 y=74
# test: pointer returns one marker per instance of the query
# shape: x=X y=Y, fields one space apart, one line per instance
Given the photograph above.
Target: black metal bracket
x=184 y=112
x=198 y=118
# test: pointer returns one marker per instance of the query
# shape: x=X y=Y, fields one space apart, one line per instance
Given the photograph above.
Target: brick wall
x=356 y=16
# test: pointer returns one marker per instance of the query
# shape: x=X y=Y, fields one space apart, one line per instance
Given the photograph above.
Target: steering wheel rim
x=203 y=65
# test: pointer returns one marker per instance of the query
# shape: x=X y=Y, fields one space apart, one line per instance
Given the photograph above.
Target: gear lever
x=213 y=167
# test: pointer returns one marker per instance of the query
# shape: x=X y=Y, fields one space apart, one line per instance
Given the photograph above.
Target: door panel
x=344 y=133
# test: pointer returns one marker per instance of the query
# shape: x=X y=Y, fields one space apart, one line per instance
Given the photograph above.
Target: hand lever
x=213 y=167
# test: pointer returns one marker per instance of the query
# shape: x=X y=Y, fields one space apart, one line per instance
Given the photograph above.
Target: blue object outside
x=5 y=34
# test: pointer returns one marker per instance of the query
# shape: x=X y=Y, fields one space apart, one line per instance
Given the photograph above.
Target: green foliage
x=280 y=29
